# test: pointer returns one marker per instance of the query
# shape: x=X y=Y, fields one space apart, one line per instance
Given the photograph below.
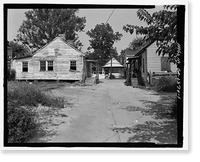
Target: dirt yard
x=110 y=112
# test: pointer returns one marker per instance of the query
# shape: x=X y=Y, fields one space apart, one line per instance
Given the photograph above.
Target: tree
x=121 y=57
x=43 y=25
x=137 y=43
x=102 y=38
x=162 y=28
x=18 y=49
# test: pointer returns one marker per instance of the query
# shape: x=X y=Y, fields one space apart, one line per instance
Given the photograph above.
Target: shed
x=57 y=60
x=115 y=66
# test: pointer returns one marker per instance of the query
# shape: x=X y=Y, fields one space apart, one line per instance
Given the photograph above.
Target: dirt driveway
x=108 y=112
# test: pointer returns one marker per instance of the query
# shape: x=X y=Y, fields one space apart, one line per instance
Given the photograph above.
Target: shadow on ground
x=161 y=109
x=163 y=130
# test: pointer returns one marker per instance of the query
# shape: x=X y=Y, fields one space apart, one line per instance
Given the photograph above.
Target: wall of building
x=61 y=54
x=154 y=61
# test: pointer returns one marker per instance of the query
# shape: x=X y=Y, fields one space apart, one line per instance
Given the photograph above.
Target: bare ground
x=108 y=112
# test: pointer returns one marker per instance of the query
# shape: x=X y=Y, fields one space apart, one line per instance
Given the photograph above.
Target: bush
x=11 y=74
x=24 y=94
x=166 y=84
x=21 y=123
x=21 y=99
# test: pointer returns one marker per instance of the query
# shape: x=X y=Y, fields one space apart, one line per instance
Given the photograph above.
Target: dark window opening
x=72 y=65
x=42 y=65
x=24 y=66
x=165 y=64
x=50 y=65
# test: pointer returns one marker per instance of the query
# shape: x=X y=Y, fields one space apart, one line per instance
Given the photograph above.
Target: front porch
x=133 y=71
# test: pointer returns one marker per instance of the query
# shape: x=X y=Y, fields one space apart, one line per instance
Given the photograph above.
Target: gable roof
x=130 y=52
x=115 y=63
x=143 y=49
x=47 y=45
x=62 y=41
x=72 y=46
x=22 y=57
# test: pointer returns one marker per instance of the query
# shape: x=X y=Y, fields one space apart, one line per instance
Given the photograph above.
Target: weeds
x=21 y=100
x=11 y=74
x=166 y=84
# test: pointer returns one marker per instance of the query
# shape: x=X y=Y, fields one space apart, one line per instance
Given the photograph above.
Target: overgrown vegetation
x=174 y=109
x=11 y=74
x=166 y=84
x=22 y=98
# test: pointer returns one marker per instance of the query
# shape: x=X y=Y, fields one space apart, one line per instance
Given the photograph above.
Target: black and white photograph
x=109 y=76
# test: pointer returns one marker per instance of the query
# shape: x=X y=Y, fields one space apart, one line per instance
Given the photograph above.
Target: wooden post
x=150 y=78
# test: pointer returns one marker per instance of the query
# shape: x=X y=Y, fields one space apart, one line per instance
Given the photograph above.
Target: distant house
x=58 y=60
x=115 y=66
x=145 y=63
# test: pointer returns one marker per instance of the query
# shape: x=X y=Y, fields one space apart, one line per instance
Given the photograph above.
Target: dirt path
x=108 y=112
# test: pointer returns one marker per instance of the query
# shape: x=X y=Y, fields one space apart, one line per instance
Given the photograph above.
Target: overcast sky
x=119 y=18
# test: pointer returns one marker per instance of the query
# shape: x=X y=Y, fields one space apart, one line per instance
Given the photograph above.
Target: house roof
x=71 y=45
x=23 y=57
x=115 y=63
x=130 y=53
x=47 y=45
x=63 y=41
x=143 y=49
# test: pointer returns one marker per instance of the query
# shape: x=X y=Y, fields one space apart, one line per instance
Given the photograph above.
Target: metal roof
x=115 y=63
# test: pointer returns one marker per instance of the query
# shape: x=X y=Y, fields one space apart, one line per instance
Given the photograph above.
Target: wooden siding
x=61 y=54
x=154 y=61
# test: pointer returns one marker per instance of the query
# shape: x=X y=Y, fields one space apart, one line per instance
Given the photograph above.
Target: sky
x=118 y=19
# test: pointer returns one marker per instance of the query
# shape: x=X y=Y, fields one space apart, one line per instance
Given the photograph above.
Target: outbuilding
x=113 y=66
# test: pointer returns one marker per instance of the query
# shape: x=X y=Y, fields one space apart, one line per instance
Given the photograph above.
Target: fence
x=153 y=77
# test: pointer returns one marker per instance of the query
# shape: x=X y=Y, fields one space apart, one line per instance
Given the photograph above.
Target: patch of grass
x=25 y=94
x=22 y=97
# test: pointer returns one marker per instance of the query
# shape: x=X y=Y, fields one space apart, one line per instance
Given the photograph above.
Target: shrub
x=24 y=94
x=11 y=74
x=21 y=99
x=21 y=123
x=166 y=84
